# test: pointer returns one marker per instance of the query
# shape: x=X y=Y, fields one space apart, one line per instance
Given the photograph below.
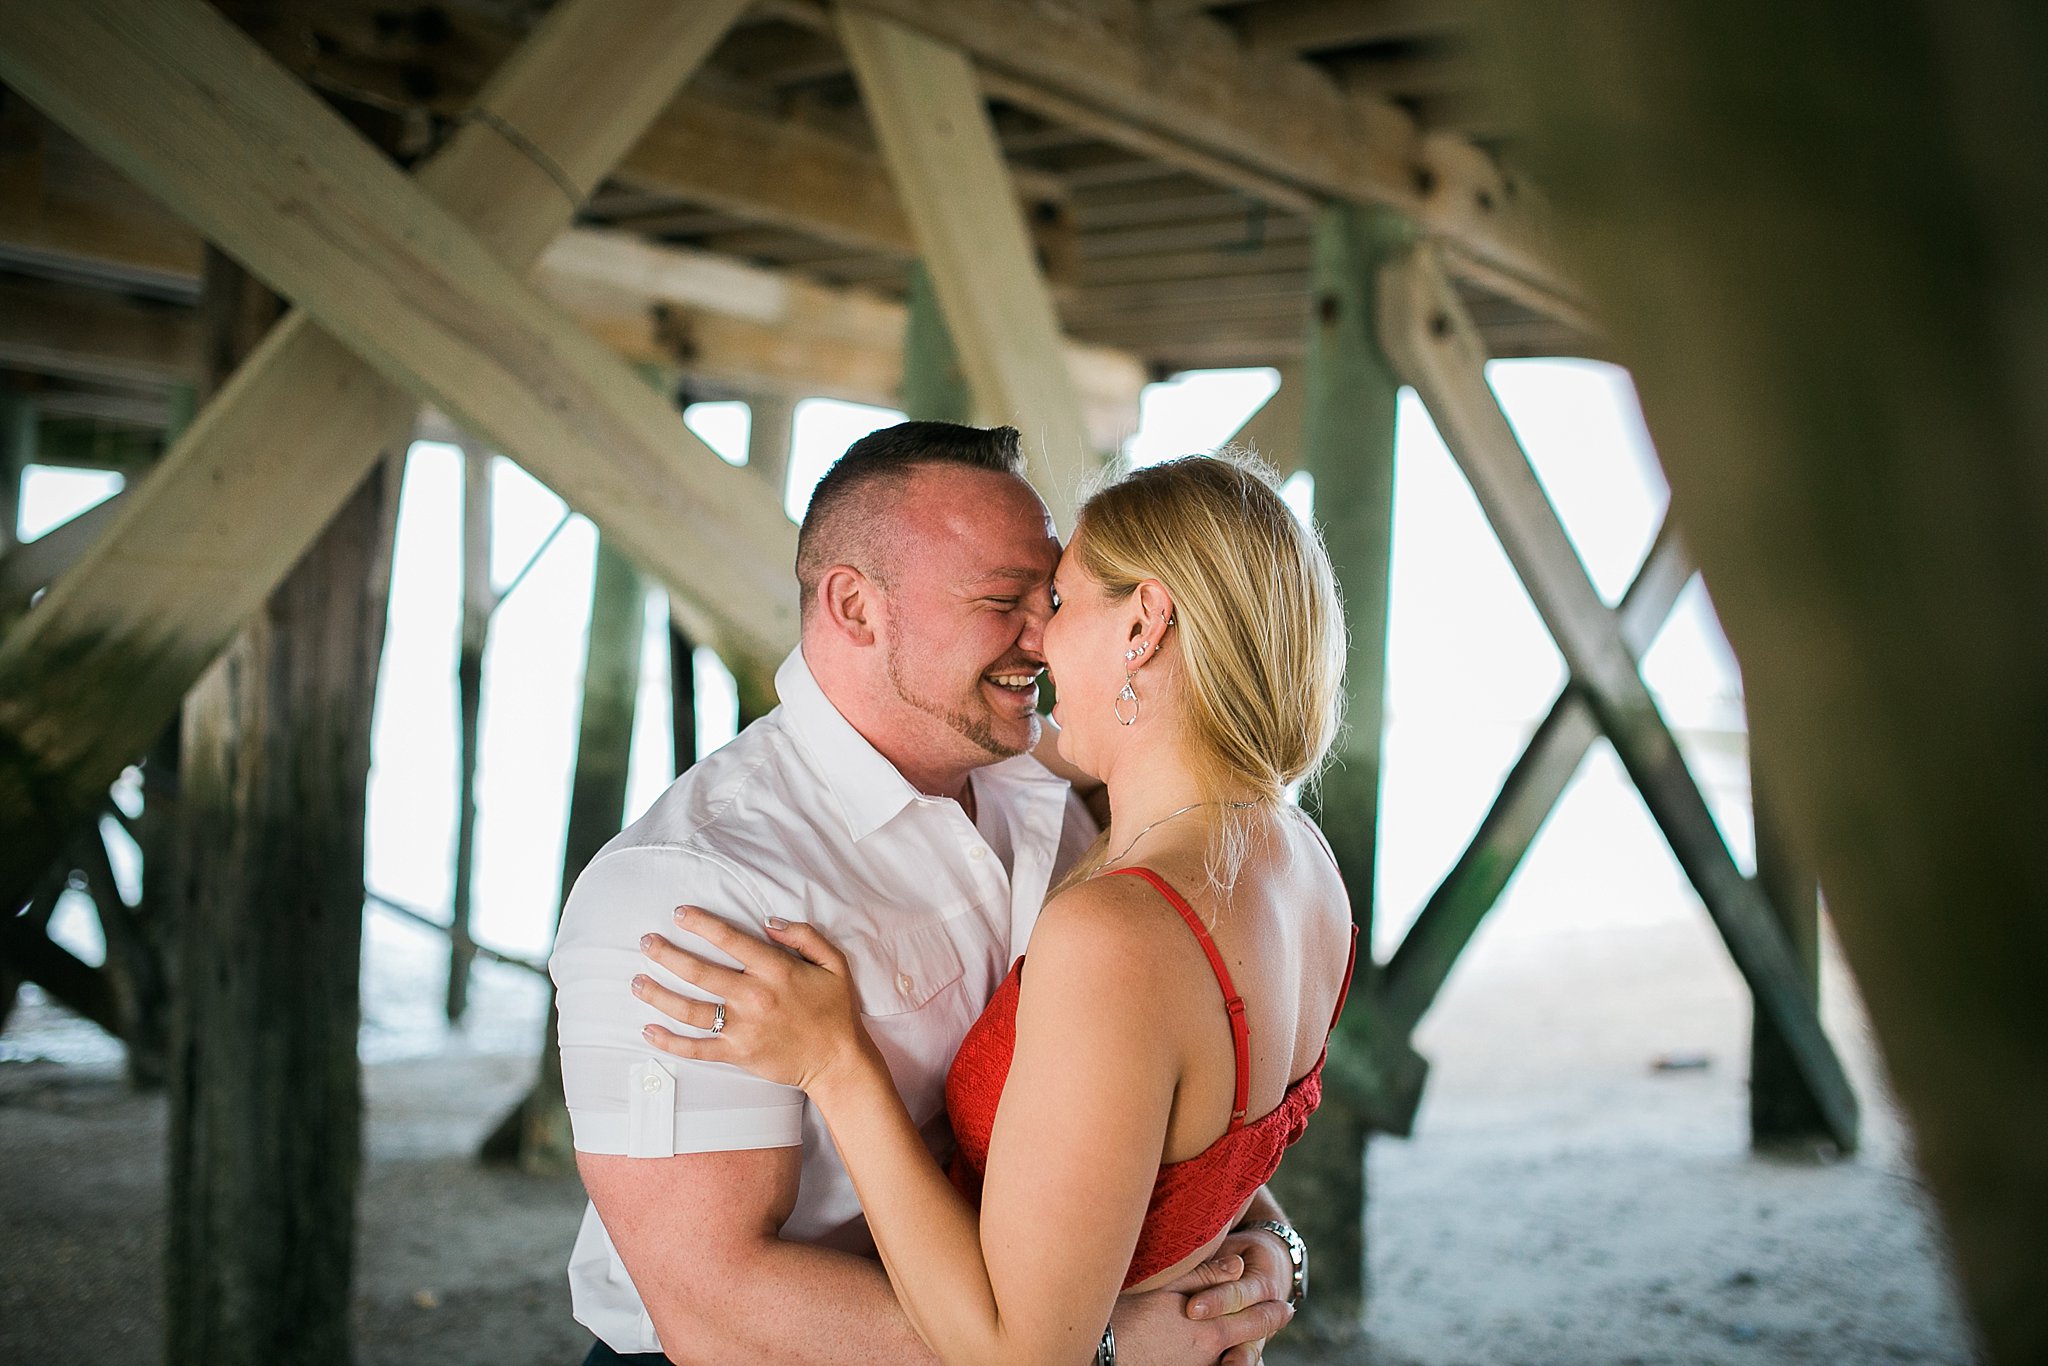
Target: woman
x=1141 y=1080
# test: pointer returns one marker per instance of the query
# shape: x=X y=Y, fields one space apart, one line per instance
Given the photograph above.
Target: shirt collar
x=868 y=788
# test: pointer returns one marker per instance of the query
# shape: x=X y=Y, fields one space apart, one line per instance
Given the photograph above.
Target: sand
x=1563 y=1201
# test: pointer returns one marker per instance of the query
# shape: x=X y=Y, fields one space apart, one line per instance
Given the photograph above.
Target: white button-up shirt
x=800 y=818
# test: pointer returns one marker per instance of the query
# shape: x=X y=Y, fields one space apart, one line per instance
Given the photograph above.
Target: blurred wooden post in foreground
x=1350 y=399
x=1815 y=231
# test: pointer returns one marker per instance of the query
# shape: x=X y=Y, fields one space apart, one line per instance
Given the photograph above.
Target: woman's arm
x=1076 y=1148
x=1077 y=1141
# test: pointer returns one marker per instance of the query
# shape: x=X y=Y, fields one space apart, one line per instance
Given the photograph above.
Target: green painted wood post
x=933 y=387
x=1783 y=1113
x=1348 y=446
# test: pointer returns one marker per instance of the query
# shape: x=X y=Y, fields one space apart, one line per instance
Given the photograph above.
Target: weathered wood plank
x=266 y=1087
x=948 y=170
x=1426 y=328
x=933 y=387
x=86 y=679
x=52 y=329
x=1194 y=80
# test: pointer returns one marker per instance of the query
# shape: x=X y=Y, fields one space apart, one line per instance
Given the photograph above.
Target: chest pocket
x=903 y=972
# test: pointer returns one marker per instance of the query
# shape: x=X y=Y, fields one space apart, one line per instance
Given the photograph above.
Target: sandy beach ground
x=1563 y=1201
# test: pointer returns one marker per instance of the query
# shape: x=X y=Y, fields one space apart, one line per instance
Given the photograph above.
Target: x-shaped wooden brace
x=1432 y=342
x=405 y=291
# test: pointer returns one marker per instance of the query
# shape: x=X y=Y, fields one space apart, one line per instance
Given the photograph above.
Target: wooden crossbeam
x=54 y=329
x=1419 y=967
x=1427 y=331
x=1194 y=80
x=183 y=104
x=927 y=110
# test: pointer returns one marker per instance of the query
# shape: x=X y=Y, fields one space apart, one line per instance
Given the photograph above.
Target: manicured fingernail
x=651 y=1034
x=640 y=985
x=682 y=914
x=648 y=941
x=1198 y=1310
x=776 y=922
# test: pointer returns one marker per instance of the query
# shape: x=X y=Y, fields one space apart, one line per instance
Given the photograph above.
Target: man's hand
x=1156 y=1328
x=1251 y=1271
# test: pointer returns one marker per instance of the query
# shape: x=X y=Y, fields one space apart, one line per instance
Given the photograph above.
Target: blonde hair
x=1260 y=629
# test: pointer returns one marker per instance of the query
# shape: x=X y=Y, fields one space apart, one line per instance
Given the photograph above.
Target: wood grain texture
x=187 y=107
x=942 y=155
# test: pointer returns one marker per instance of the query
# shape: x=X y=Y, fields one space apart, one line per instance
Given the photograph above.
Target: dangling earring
x=1129 y=694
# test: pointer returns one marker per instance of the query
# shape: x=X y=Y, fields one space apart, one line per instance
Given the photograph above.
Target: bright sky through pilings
x=1470 y=671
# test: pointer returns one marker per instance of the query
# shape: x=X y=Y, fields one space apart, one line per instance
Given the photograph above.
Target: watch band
x=1105 y=1351
x=1297 y=1256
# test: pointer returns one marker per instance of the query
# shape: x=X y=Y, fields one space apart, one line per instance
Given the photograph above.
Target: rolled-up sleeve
x=626 y=1097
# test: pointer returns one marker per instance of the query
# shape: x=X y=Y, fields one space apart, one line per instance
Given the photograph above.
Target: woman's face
x=1084 y=652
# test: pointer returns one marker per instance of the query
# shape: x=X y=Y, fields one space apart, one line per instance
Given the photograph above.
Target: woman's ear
x=850 y=604
x=1148 y=624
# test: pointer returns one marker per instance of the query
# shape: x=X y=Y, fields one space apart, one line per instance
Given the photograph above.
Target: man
x=891 y=800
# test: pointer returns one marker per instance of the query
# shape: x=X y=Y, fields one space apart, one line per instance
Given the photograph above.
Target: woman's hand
x=788 y=1014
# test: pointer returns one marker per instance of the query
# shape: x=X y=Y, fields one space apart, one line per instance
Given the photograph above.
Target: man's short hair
x=847 y=520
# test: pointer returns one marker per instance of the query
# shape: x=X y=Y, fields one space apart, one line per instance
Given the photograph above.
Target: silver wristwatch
x=1105 y=1351
x=1297 y=1256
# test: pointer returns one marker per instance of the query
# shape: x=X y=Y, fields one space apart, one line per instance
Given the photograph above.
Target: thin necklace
x=1191 y=806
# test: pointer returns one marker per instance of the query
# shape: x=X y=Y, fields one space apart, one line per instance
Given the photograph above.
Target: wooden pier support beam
x=1782 y=1112
x=89 y=677
x=771 y=420
x=266 y=1097
x=1350 y=393
x=934 y=389
x=535 y=1135
x=1429 y=950
x=478 y=603
x=949 y=172
x=1433 y=341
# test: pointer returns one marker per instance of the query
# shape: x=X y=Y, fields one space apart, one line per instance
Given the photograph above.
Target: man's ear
x=850 y=603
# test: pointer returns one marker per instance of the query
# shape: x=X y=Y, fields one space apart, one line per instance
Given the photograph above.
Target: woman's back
x=1282 y=942
x=1283 y=933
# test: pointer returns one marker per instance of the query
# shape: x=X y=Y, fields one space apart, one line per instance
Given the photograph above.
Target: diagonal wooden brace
x=101 y=664
x=956 y=190
x=1431 y=339
x=1419 y=967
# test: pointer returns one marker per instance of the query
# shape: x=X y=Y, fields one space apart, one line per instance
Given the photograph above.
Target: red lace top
x=1192 y=1200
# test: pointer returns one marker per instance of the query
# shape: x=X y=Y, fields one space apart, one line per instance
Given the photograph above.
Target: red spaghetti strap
x=1233 y=1004
x=1344 y=992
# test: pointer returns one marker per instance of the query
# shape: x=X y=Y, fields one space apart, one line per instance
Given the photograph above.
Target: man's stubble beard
x=976 y=730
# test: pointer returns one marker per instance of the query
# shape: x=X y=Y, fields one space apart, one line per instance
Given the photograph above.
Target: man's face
x=969 y=593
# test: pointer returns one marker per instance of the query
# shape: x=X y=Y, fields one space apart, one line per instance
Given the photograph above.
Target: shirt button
x=903 y=983
x=650 y=1083
x=977 y=853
